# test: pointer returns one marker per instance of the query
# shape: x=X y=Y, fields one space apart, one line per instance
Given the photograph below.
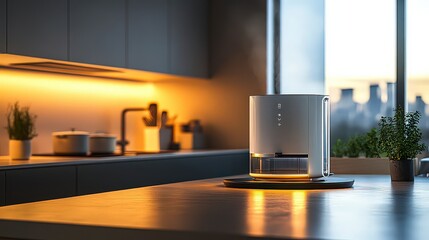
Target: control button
x=279 y=114
x=279 y=124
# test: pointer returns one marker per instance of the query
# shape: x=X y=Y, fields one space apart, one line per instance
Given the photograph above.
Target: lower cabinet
x=115 y=176
x=43 y=183
x=35 y=184
x=2 y=188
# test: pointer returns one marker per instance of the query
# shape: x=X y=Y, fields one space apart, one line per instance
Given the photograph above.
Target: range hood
x=13 y=61
x=60 y=67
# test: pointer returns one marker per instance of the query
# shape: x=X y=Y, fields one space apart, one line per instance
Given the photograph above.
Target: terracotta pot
x=402 y=170
x=20 y=149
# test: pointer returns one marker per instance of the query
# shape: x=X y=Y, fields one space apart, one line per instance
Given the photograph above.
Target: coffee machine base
x=319 y=183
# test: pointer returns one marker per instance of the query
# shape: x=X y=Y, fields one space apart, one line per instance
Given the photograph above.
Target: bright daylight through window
x=360 y=63
x=417 y=61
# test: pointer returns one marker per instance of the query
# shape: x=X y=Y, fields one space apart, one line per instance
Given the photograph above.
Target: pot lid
x=70 y=133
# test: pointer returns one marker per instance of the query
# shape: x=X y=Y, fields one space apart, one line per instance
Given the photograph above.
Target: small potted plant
x=21 y=129
x=399 y=138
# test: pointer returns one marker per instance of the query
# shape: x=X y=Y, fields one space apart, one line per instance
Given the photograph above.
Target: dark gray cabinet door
x=189 y=37
x=148 y=47
x=37 y=28
x=2 y=188
x=2 y=26
x=35 y=184
x=97 y=32
x=115 y=176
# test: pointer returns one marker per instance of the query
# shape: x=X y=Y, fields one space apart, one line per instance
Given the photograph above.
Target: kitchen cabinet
x=97 y=32
x=2 y=26
x=37 y=28
x=35 y=184
x=28 y=182
x=189 y=38
x=115 y=176
x=2 y=188
x=169 y=36
x=148 y=45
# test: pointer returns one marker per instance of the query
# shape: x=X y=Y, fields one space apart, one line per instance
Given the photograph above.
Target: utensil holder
x=165 y=136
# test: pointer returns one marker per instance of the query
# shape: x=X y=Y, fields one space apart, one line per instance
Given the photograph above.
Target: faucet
x=123 y=142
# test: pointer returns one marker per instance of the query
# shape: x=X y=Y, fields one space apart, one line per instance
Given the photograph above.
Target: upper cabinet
x=97 y=32
x=37 y=28
x=189 y=38
x=2 y=26
x=148 y=44
x=167 y=36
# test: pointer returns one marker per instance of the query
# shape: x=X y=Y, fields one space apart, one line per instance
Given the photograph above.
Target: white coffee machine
x=289 y=136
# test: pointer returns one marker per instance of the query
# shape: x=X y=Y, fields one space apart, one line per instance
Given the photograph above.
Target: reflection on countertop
x=38 y=161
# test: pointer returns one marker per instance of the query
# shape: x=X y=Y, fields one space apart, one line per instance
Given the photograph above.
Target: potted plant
x=399 y=138
x=21 y=129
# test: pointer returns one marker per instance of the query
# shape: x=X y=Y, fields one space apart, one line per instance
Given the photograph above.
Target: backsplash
x=62 y=102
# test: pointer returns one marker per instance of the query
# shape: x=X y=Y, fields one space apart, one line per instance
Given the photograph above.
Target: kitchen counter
x=375 y=208
x=43 y=161
x=44 y=178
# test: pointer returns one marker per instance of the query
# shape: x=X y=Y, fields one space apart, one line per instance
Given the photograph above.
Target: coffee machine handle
x=326 y=139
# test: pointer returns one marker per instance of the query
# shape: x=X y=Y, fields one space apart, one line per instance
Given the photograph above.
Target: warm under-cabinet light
x=32 y=85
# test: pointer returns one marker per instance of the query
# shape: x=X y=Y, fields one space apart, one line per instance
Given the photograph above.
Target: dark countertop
x=43 y=161
x=375 y=208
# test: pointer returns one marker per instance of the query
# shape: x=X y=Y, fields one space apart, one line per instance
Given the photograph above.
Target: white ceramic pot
x=101 y=143
x=70 y=143
x=20 y=149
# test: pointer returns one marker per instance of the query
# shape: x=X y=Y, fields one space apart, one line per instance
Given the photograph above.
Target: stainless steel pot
x=70 y=143
x=101 y=143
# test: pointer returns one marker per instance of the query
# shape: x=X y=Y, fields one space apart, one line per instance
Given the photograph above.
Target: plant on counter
x=20 y=123
x=21 y=129
x=400 y=139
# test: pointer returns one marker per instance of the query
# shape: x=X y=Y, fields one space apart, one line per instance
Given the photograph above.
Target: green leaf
x=20 y=122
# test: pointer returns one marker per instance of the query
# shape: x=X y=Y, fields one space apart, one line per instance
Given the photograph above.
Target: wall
x=62 y=102
x=92 y=104
x=238 y=63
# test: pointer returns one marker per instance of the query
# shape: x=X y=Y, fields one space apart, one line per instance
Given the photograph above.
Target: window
x=360 y=43
x=418 y=61
x=363 y=57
